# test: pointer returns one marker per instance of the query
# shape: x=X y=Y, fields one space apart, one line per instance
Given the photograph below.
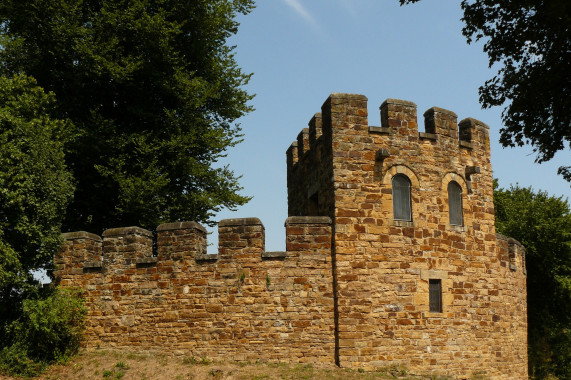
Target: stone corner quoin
x=391 y=258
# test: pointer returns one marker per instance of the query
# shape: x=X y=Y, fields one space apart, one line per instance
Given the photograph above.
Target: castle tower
x=391 y=258
x=420 y=276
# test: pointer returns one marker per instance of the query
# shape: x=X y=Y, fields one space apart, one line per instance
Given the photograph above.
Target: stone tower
x=391 y=258
x=419 y=273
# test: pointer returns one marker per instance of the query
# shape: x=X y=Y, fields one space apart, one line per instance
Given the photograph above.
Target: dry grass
x=128 y=365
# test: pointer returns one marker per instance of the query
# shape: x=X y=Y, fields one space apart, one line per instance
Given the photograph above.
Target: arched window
x=455 y=203
x=401 y=198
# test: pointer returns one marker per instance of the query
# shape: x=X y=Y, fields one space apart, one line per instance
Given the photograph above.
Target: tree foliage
x=49 y=330
x=530 y=40
x=35 y=187
x=543 y=225
x=153 y=90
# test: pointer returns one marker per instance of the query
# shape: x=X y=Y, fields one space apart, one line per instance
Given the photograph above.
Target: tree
x=531 y=41
x=543 y=225
x=153 y=91
x=35 y=188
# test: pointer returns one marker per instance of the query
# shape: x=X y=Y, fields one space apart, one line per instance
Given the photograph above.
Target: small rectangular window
x=435 y=295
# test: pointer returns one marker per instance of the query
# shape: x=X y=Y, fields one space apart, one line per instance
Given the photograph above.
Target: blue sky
x=300 y=51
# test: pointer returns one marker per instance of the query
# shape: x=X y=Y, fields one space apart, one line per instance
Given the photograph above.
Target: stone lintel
x=427 y=274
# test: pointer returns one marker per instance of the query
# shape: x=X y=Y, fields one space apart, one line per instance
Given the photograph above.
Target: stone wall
x=352 y=287
x=382 y=266
x=242 y=304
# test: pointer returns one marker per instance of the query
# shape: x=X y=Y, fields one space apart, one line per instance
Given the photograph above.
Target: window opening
x=455 y=203
x=401 y=198
x=435 y=295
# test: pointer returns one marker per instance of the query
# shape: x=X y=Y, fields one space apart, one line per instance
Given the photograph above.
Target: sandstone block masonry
x=391 y=258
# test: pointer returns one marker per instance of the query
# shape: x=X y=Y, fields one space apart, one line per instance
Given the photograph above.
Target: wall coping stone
x=429 y=136
x=93 y=264
x=146 y=260
x=433 y=110
x=240 y=222
x=382 y=130
x=274 y=255
x=501 y=237
x=343 y=95
x=206 y=257
x=399 y=102
x=80 y=235
x=307 y=220
x=511 y=241
x=472 y=121
x=127 y=231
x=180 y=226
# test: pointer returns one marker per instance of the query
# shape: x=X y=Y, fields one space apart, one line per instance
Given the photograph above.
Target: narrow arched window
x=401 y=197
x=455 y=203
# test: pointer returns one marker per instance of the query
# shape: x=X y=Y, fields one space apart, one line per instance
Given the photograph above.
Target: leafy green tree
x=35 y=188
x=49 y=330
x=543 y=225
x=154 y=92
x=530 y=40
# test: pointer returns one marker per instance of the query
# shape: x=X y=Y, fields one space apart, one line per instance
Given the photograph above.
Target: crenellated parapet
x=341 y=133
x=398 y=119
x=420 y=276
x=242 y=302
x=181 y=240
x=241 y=241
x=391 y=258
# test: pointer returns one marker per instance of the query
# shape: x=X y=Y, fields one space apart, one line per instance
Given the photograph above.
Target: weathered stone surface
x=353 y=285
x=383 y=266
x=243 y=303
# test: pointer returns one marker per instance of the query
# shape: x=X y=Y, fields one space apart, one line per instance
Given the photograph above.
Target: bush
x=49 y=330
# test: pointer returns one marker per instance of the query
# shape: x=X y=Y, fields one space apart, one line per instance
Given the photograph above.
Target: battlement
x=391 y=257
x=241 y=242
x=339 y=140
x=399 y=121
